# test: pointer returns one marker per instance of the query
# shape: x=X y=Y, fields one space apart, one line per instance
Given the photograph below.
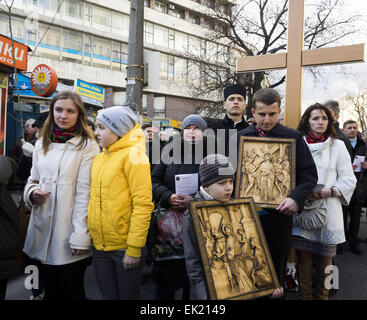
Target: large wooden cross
x=296 y=58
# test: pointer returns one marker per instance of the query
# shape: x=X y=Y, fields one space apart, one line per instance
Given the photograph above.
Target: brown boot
x=304 y=272
x=320 y=291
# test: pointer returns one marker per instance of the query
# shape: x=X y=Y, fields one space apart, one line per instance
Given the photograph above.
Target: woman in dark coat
x=10 y=237
x=182 y=155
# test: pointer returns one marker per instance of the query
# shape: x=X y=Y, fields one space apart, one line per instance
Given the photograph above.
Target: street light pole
x=135 y=68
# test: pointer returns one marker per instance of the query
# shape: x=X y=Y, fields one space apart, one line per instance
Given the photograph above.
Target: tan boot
x=304 y=272
x=320 y=291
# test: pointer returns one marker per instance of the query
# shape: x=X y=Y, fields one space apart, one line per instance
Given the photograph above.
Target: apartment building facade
x=88 y=40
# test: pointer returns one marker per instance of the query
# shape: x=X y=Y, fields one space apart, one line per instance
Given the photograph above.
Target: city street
x=352 y=278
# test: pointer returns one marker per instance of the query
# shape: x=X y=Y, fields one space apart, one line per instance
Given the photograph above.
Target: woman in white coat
x=58 y=192
x=334 y=169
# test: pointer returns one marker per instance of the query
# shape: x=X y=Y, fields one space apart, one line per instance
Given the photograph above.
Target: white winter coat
x=60 y=223
x=334 y=169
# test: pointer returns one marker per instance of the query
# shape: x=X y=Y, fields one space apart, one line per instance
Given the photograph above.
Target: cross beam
x=296 y=58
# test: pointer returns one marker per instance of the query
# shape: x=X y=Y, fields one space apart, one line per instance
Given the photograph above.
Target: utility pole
x=135 y=68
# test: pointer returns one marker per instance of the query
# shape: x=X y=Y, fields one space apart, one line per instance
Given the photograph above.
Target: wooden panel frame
x=255 y=149
x=242 y=274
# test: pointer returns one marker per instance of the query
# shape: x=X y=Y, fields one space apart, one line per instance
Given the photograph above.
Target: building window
x=101 y=52
x=209 y=3
x=171 y=67
x=194 y=46
x=101 y=17
x=171 y=39
x=119 y=55
x=146 y=3
x=176 y=12
x=148 y=32
x=161 y=36
x=72 y=45
x=50 y=44
x=49 y=5
x=223 y=9
x=87 y=14
x=181 y=41
x=208 y=23
x=180 y=74
x=159 y=107
x=120 y=23
x=193 y=18
x=73 y=9
x=159 y=6
x=164 y=66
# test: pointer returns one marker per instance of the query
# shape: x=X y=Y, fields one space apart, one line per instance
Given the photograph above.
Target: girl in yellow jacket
x=120 y=204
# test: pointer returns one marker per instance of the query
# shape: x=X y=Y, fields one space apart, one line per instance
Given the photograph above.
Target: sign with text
x=20 y=53
x=89 y=90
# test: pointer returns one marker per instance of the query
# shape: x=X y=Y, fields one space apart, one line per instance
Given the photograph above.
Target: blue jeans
x=114 y=281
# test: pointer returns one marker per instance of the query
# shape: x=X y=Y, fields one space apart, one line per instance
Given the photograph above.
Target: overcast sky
x=337 y=80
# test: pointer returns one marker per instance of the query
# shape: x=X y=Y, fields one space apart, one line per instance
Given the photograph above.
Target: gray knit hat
x=119 y=119
x=194 y=120
x=213 y=168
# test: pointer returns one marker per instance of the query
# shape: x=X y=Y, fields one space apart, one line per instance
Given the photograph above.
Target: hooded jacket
x=120 y=204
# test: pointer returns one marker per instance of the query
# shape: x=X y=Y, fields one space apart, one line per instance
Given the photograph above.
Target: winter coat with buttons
x=60 y=223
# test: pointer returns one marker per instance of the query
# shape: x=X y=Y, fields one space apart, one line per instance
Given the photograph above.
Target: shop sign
x=44 y=80
x=89 y=90
x=20 y=54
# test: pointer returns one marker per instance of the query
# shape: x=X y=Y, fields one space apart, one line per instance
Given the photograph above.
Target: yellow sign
x=89 y=90
x=175 y=123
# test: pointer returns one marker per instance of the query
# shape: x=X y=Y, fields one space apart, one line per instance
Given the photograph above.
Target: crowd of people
x=75 y=193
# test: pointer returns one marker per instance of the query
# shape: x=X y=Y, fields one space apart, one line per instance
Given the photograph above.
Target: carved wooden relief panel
x=266 y=170
x=233 y=249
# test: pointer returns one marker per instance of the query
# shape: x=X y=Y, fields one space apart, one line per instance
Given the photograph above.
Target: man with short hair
x=234 y=121
x=334 y=108
x=151 y=141
x=277 y=223
x=350 y=128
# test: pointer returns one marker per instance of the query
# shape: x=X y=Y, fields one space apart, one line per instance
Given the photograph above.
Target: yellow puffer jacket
x=120 y=204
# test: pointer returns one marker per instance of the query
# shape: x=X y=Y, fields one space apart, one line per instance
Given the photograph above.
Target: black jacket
x=10 y=237
x=306 y=172
x=194 y=267
x=163 y=175
x=157 y=145
x=361 y=187
x=342 y=136
x=25 y=165
x=226 y=123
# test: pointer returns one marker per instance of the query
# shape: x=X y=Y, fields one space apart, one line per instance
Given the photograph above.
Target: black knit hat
x=213 y=168
x=234 y=89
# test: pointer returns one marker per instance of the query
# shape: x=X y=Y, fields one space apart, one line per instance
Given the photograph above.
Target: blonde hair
x=82 y=128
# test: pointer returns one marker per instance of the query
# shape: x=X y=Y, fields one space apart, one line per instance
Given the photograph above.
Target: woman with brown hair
x=316 y=245
x=58 y=192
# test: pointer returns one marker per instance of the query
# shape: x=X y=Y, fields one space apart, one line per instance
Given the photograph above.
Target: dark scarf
x=311 y=138
x=63 y=135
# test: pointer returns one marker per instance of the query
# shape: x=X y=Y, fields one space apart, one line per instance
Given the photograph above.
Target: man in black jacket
x=350 y=128
x=277 y=223
x=235 y=105
x=334 y=108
